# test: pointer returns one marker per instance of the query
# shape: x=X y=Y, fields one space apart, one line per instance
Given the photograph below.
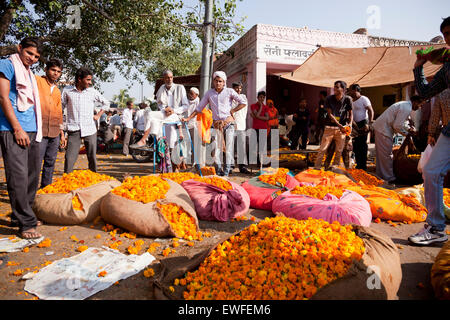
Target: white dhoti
x=156 y=120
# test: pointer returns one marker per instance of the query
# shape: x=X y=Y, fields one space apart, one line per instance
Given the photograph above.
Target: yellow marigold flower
x=75 y=180
x=215 y=181
x=182 y=223
x=98 y=236
x=149 y=273
x=76 y=203
x=278 y=178
x=318 y=192
x=82 y=248
x=74 y=238
x=179 y=177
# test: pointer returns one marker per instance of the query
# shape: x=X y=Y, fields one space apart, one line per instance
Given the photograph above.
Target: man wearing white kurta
x=241 y=125
x=392 y=121
x=172 y=103
x=127 y=122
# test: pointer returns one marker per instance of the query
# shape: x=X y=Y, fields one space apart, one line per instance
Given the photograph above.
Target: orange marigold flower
x=215 y=181
x=143 y=189
x=45 y=243
x=75 y=180
x=278 y=258
x=361 y=175
x=179 y=177
x=208 y=171
x=82 y=248
x=102 y=274
x=318 y=192
x=149 y=273
x=278 y=178
x=26 y=249
x=182 y=223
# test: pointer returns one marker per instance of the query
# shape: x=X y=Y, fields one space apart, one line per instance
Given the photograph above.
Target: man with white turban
x=220 y=100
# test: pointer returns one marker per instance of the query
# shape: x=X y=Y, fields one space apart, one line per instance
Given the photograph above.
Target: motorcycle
x=143 y=154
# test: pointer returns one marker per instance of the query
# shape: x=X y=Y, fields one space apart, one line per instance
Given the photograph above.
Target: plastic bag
x=424 y=158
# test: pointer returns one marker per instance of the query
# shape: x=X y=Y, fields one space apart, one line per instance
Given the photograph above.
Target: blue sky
x=400 y=19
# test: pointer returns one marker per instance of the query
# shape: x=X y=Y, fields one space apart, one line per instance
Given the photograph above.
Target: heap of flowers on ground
x=318 y=192
x=278 y=258
x=277 y=177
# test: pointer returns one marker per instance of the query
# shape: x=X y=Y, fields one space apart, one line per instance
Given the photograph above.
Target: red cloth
x=257 y=123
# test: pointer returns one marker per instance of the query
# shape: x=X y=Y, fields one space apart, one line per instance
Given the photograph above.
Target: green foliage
x=122 y=98
x=136 y=37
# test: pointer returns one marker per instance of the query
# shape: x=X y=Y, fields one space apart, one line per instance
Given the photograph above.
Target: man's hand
x=63 y=141
x=22 y=138
x=184 y=120
x=97 y=116
x=169 y=111
x=431 y=141
x=419 y=62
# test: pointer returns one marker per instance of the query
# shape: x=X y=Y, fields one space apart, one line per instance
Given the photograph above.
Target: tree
x=122 y=98
x=137 y=37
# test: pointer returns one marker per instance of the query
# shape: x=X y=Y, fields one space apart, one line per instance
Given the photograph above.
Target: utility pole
x=205 y=76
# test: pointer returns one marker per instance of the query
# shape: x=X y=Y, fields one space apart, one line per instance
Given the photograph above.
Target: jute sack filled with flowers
x=264 y=188
x=440 y=273
x=151 y=206
x=287 y=259
x=217 y=199
x=322 y=202
x=74 y=198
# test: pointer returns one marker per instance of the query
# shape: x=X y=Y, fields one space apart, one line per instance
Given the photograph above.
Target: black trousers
x=48 y=153
x=297 y=133
x=73 y=149
x=360 y=147
x=22 y=170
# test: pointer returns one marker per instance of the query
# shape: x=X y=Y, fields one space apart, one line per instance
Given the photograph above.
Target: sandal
x=3 y=261
x=30 y=235
x=16 y=224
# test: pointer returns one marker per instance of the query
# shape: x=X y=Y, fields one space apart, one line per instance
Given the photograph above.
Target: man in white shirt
x=194 y=100
x=172 y=102
x=127 y=123
x=115 y=123
x=220 y=100
x=139 y=119
x=362 y=118
x=80 y=102
x=241 y=125
x=392 y=121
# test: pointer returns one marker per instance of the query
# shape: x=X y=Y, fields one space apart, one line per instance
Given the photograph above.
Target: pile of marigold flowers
x=143 y=189
x=181 y=222
x=447 y=197
x=292 y=157
x=366 y=178
x=318 y=192
x=74 y=180
x=278 y=258
x=208 y=171
x=215 y=181
x=179 y=177
x=278 y=178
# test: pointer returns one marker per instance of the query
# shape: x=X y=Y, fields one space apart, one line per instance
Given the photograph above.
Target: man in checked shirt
x=80 y=102
x=439 y=163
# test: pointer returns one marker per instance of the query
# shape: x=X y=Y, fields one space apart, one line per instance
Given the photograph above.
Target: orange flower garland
x=366 y=178
x=74 y=180
x=277 y=179
x=278 y=258
x=143 y=189
x=318 y=192
x=215 y=181
x=181 y=222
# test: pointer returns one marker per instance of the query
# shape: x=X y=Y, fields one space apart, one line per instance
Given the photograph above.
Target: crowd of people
x=32 y=128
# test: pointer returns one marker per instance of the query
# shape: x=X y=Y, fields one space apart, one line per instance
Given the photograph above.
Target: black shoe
x=221 y=173
x=244 y=171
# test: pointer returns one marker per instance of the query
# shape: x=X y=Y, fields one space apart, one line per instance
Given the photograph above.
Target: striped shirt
x=80 y=109
x=441 y=81
x=440 y=111
x=220 y=103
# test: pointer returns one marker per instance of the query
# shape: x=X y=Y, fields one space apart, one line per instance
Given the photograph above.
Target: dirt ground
x=416 y=261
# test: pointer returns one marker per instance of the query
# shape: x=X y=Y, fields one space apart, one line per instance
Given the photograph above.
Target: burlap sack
x=360 y=282
x=145 y=219
x=440 y=273
x=56 y=208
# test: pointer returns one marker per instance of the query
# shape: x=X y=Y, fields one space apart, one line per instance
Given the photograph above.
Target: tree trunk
x=7 y=17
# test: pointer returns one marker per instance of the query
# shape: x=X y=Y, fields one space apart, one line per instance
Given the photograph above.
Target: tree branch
x=102 y=13
x=7 y=17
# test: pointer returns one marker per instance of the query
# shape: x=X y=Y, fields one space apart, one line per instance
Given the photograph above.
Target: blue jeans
x=433 y=175
x=48 y=151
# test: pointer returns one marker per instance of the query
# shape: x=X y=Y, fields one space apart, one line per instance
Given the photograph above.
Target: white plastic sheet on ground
x=76 y=278
x=17 y=244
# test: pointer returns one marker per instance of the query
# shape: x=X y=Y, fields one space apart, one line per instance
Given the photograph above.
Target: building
x=265 y=52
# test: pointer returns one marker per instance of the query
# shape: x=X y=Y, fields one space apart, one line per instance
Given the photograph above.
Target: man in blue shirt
x=439 y=163
x=20 y=135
